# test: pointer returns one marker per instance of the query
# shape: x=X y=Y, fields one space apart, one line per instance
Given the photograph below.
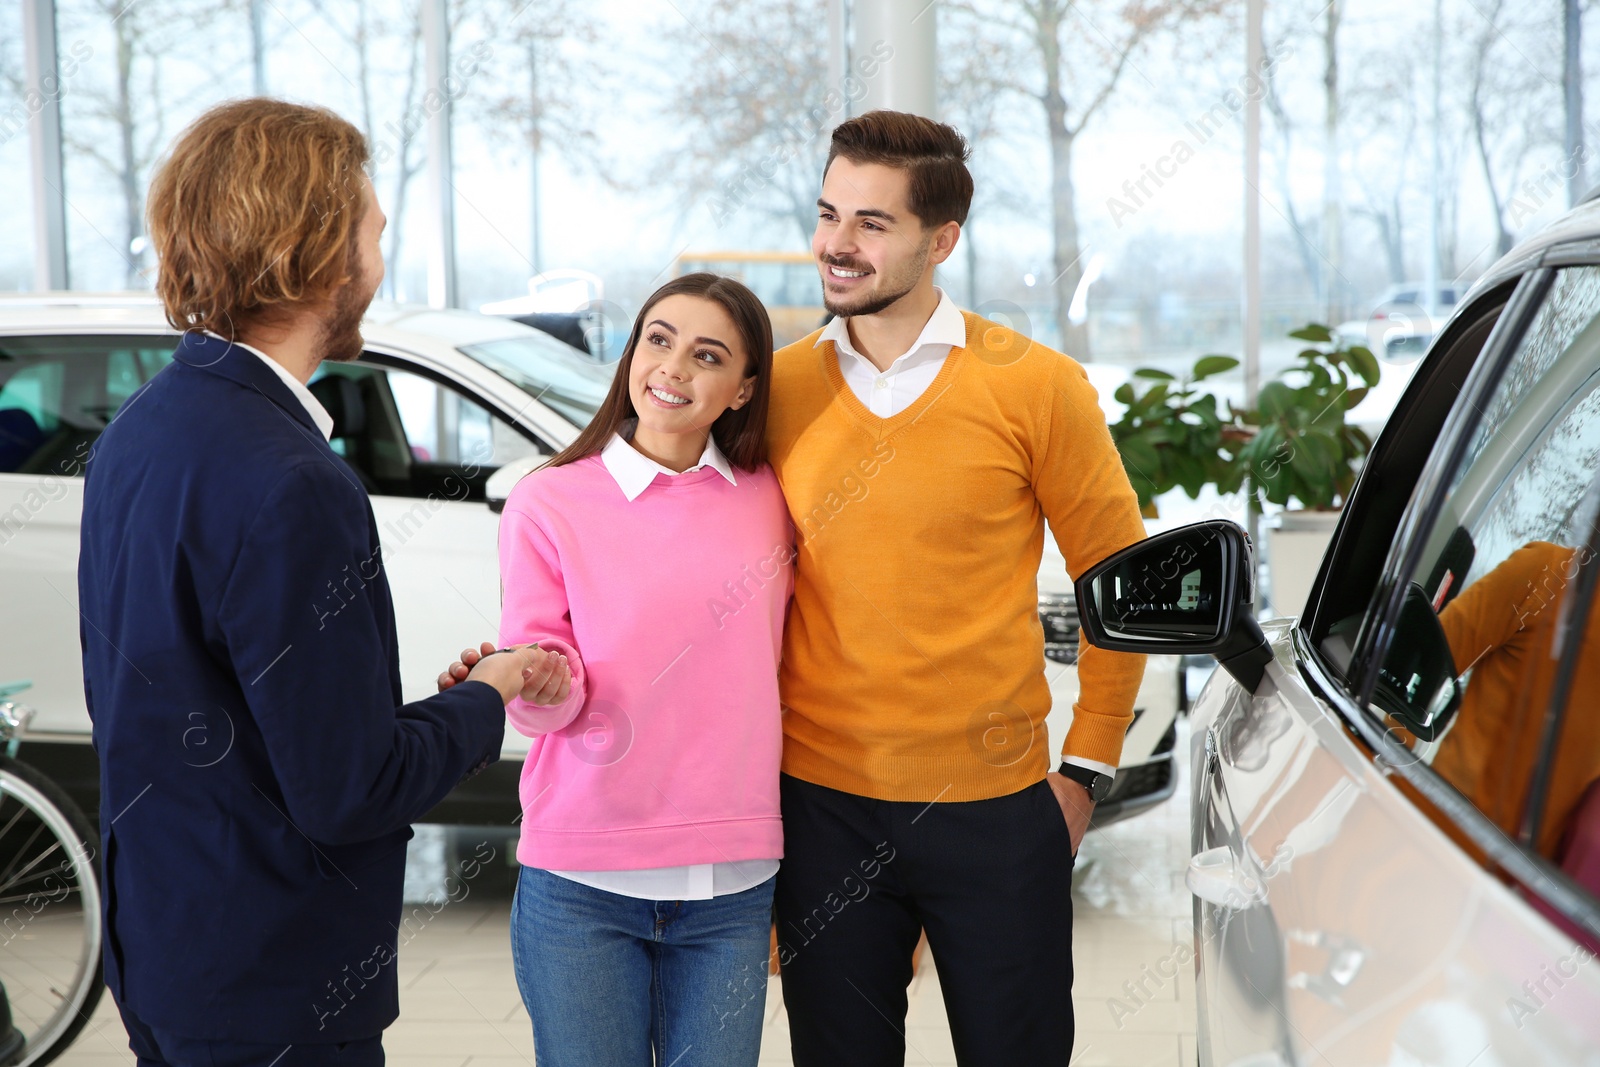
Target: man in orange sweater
x=921 y=450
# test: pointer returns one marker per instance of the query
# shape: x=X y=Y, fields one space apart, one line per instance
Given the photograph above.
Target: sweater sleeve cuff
x=532 y=720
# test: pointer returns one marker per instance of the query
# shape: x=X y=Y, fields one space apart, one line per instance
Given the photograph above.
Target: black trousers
x=989 y=880
x=161 y=1048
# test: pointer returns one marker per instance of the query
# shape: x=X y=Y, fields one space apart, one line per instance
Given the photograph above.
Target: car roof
x=431 y=337
x=141 y=312
x=1580 y=223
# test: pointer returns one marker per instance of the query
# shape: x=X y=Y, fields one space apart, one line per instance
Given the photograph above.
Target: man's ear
x=944 y=242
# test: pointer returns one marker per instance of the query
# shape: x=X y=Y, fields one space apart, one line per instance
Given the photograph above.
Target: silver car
x=1396 y=818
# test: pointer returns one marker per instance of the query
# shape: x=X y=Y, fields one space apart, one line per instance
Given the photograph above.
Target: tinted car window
x=1468 y=679
x=58 y=393
x=404 y=434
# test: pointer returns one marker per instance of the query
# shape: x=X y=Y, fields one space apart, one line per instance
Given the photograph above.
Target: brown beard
x=340 y=339
x=871 y=304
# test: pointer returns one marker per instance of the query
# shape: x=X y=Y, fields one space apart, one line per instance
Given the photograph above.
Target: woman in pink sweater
x=655 y=554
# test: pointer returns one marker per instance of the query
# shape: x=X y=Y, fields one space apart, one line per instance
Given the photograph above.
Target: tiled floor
x=1134 y=998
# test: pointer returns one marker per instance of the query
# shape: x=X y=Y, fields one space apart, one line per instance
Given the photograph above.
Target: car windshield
x=570 y=385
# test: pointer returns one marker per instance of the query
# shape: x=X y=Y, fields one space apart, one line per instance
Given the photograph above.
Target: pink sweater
x=670 y=608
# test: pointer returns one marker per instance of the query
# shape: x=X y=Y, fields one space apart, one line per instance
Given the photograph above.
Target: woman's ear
x=746 y=390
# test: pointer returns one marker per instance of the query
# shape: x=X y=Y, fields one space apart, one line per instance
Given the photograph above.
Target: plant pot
x=1296 y=543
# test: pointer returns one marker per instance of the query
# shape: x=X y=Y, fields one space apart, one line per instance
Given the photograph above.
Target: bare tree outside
x=1383 y=168
x=539 y=100
x=1572 y=99
x=128 y=101
x=1286 y=40
x=1334 y=283
x=1509 y=104
x=972 y=98
x=755 y=112
x=1077 y=53
x=386 y=71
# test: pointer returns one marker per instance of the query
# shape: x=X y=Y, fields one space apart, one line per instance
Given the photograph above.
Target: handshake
x=528 y=671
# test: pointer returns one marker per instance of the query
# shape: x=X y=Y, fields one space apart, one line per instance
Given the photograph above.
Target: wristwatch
x=1098 y=785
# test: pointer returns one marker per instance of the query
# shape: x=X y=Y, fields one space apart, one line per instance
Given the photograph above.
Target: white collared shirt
x=318 y=413
x=634 y=471
x=886 y=393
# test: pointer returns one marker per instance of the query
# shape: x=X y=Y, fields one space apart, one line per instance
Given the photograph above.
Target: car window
x=58 y=393
x=551 y=372
x=1343 y=595
x=404 y=434
x=1487 y=618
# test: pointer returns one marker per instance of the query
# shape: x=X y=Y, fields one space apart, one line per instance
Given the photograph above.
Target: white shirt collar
x=946 y=327
x=634 y=471
x=318 y=413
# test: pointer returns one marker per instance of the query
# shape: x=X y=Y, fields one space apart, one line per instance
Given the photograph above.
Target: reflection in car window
x=1468 y=679
x=1570 y=308
x=552 y=373
x=58 y=393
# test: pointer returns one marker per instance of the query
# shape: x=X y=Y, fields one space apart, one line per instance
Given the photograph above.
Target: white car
x=439 y=418
x=1400 y=325
x=1396 y=819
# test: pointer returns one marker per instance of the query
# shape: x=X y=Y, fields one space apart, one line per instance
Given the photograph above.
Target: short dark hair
x=935 y=155
x=740 y=433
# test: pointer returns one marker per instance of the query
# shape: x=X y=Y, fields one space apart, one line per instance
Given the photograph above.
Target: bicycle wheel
x=50 y=920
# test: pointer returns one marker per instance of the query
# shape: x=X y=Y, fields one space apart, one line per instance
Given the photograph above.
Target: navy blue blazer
x=259 y=772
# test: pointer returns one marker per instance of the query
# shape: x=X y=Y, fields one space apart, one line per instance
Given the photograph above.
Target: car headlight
x=1058 y=615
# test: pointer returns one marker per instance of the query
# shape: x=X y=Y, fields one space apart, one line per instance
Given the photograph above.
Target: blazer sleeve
x=308 y=624
x=534 y=607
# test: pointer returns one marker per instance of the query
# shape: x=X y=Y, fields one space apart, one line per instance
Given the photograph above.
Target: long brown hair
x=255 y=212
x=741 y=433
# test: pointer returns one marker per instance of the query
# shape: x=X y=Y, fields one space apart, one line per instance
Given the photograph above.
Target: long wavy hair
x=740 y=433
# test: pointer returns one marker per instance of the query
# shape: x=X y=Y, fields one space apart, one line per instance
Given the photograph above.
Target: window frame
x=1349 y=693
x=1399 y=456
x=1538 y=876
x=1570 y=640
x=1421 y=513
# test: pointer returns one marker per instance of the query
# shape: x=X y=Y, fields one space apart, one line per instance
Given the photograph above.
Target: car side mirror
x=1417 y=684
x=1188 y=591
x=499 y=484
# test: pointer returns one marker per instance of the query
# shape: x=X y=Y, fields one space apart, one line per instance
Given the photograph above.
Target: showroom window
x=1489 y=644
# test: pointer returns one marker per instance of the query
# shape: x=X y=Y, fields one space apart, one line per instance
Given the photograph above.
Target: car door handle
x=1217 y=877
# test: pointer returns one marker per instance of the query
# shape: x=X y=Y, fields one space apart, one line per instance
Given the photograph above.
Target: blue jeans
x=615 y=981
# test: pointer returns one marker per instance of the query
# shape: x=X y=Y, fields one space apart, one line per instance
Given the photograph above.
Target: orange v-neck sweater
x=913 y=659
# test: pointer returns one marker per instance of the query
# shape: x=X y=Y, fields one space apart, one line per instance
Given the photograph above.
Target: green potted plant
x=1173 y=435
x=1301 y=450
x=1303 y=455
x=1295 y=448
